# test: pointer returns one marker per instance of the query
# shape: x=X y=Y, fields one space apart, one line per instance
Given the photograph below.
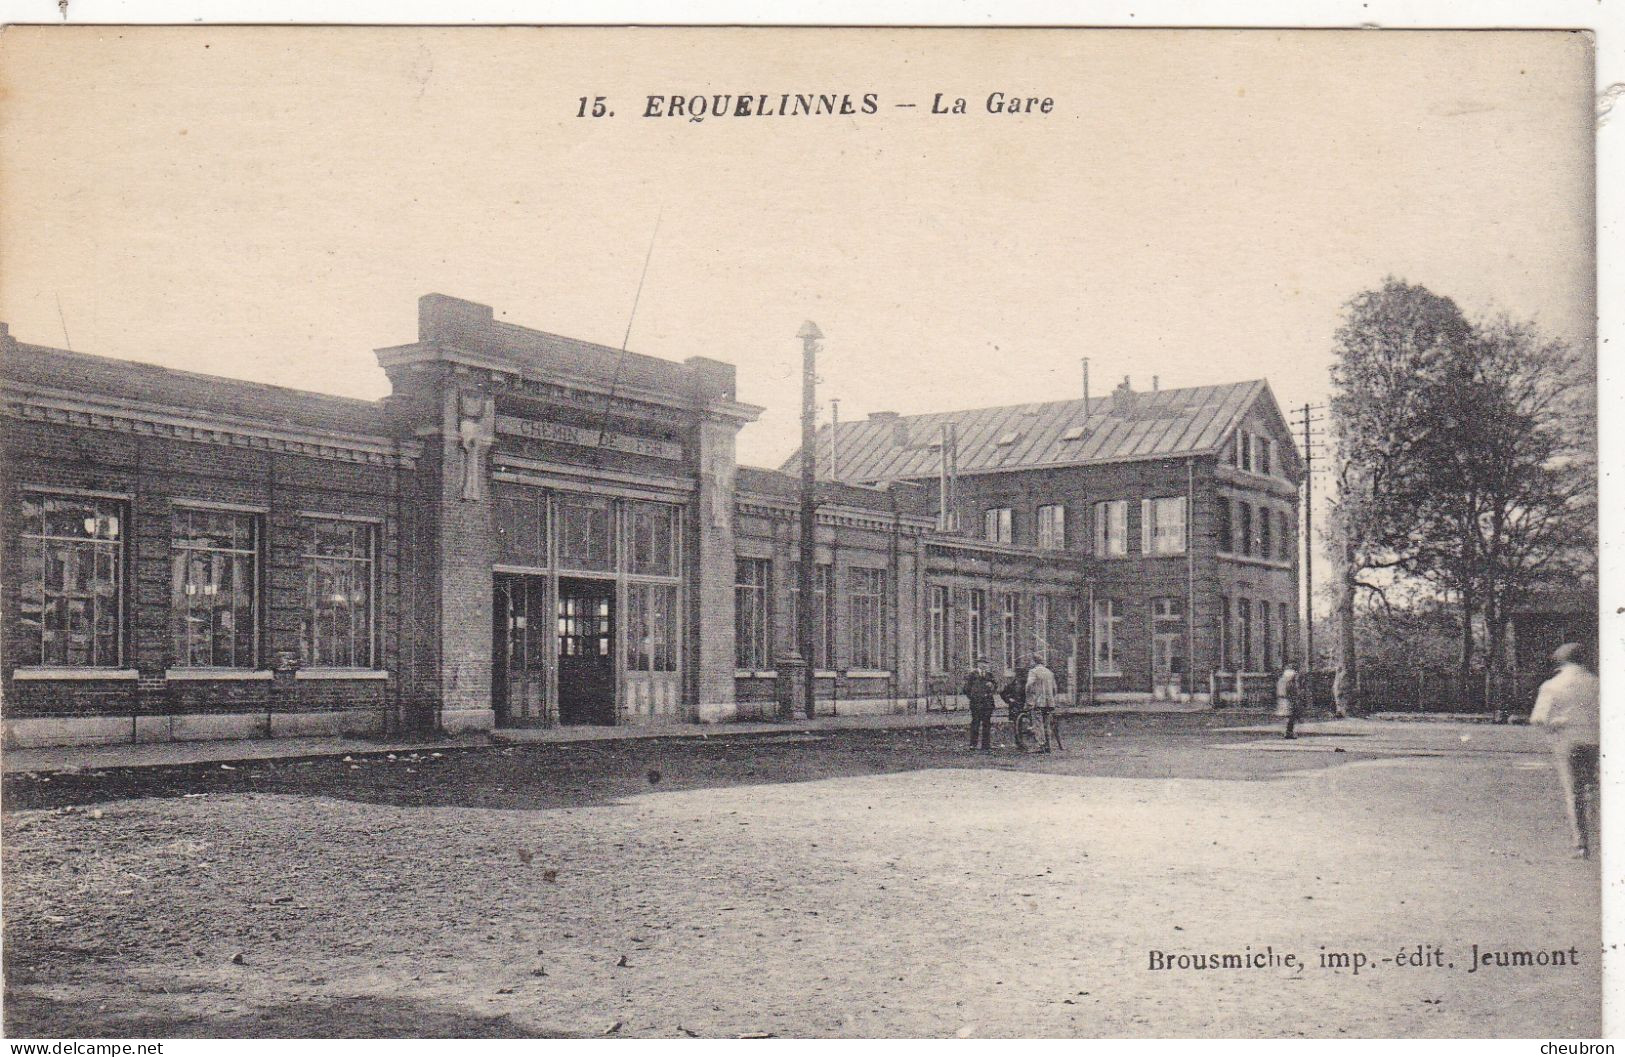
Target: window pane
x=337 y=621
x=71 y=576
x=520 y=521
x=584 y=533
x=752 y=629
x=213 y=588
x=653 y=529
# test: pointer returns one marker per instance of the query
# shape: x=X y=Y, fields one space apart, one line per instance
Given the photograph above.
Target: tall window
x=1227 y=639
x=1281 y=630
x=651 y=539
x=1283 y=537
x=1227 y=536
x=823 y=657
x=1108 y=621
x=214 y=589
x=1052 y=527
x=937 y=635
x=1266 y=541
x=1267 y=636
x=976 y=624
x=336 y=626
x=1244 y=529
x=1162 y=525
x=71 y=581
x=651 y=627
x=1010 y=608
x=998 y=526
x=1241 y=450
x=1244 y=633
x=520 y=520
x=753 y=625
x=1111 y=528
x=1167 y=637
x=868 y=604
x=1041 y=626
x=584 y=533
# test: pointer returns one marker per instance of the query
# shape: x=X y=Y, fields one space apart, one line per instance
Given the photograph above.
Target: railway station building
x=532 y=531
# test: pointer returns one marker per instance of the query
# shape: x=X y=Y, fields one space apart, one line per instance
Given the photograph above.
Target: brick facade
x=622 y=469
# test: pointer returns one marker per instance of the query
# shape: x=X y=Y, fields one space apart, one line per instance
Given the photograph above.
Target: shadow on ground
x=365 y=1017
x=559 y=775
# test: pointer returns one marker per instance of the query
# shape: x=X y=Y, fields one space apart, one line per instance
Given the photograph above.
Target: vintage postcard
x=660 y=532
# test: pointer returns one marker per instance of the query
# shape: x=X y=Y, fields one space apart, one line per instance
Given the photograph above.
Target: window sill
x=214 y=674
x=867 y=673
x=755 y=673
x=73 y=674
x=340 y=673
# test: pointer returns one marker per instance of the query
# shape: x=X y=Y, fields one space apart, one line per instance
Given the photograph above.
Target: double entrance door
x=574 y=638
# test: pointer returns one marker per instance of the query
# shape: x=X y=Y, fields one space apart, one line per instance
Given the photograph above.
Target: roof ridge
x=202 y=376
x=1106 y=396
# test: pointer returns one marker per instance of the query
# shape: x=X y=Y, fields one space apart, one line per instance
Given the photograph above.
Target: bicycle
x=1036 y=729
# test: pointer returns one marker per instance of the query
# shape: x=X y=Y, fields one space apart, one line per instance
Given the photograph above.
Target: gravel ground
x=862 y=883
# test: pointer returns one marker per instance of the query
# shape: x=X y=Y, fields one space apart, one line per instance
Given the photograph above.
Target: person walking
x=1040 y=697
x=1567 y=706
x=1286 y=700
x=980 y=689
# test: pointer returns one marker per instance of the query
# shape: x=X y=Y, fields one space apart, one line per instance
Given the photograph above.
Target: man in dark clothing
x=1015 y=691
x=979 y=689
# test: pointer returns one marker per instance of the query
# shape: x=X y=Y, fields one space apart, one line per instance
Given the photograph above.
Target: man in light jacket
x=1041 y=698
x=1567 y=706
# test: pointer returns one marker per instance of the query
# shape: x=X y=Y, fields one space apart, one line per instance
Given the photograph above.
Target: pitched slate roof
x=86 y=375
x=1167 y=422
x=778 y=484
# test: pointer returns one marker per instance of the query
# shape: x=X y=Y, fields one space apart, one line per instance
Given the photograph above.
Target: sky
x=268 y=203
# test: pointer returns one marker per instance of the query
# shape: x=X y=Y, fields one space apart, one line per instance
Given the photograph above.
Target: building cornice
x=39 y=404
x=833 y=514
x=554 y=377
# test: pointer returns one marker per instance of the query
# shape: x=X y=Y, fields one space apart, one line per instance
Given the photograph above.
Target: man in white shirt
x=1568 y=707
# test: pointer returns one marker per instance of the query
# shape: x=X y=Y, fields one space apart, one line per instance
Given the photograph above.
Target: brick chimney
x=1124 y=398
x=899 y=428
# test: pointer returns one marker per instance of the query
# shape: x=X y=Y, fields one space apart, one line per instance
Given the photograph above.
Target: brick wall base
x=193 y=726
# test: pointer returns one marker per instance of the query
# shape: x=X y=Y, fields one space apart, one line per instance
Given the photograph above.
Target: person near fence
x=1287 y=700
x=1567 y=706
x=979 y=690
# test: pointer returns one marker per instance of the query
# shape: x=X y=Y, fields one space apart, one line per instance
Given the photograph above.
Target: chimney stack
x=1123 y=398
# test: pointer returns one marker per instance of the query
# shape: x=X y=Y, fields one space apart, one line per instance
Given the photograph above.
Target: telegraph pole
x=1308 y=411
x=810 y=335
x=1308 y=545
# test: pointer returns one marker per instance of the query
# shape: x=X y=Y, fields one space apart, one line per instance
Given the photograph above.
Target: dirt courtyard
x=859 y=883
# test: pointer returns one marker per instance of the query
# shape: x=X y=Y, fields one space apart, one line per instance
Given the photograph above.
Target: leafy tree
x=1394 y=352
x=1467 y=462
x=1519 y=447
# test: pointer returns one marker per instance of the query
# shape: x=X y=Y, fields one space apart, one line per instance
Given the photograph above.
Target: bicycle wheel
x=1026 y=734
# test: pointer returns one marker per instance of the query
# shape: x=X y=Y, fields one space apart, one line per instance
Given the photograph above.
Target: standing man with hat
x=979 y=690
x=1568 y=707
